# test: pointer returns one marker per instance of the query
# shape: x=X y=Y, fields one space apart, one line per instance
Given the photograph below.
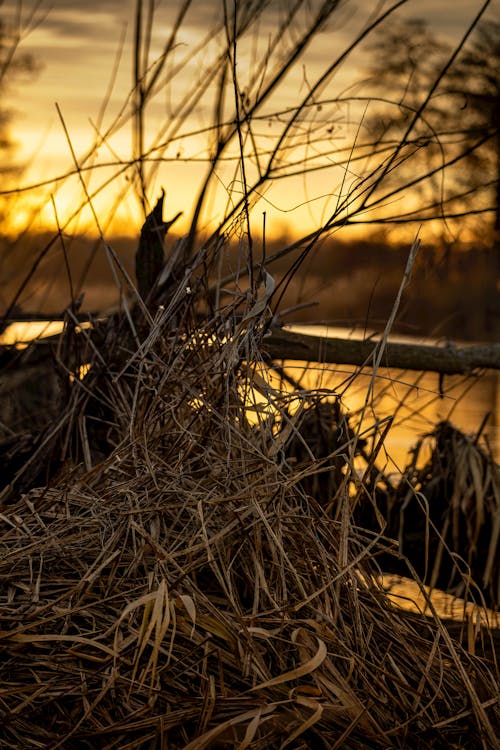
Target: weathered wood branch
x=281 y=344
x=448 y=359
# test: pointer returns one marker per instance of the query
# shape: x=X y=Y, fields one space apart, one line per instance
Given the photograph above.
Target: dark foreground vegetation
x=190 y=556
x=191 y=541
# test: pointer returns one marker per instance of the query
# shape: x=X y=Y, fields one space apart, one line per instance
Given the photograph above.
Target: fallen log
x=281 y=344
x=448 y=359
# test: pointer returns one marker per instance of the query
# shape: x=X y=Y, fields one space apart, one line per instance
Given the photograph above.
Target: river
x=415 y=401
x=412 y=399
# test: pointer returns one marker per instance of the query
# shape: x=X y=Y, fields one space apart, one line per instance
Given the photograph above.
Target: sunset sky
x=76 y=45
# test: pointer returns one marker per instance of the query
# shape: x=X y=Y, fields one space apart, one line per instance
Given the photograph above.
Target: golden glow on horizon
x=76 y=71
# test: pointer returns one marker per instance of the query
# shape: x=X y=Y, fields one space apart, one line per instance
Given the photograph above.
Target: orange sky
x=77 y=45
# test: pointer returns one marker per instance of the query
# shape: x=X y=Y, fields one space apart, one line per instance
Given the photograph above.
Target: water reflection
x=409 y=595
x=415 y=401
x=21 y=333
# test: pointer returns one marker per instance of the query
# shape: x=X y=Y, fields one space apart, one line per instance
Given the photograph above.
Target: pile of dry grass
x=173 y=585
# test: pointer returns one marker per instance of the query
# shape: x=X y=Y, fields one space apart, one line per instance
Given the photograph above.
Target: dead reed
x=452 y=500
x=174 y=586
x=168 y=581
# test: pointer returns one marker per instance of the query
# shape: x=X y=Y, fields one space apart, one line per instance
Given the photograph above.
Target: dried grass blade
x=294 y=674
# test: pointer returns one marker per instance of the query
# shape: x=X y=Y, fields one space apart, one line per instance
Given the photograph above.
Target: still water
x=413 y=400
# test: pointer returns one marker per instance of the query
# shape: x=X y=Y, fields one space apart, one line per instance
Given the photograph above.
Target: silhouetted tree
x=475 y=80
x=13 y=66
x=454 y=148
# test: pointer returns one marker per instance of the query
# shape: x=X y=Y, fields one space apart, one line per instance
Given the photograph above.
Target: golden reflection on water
x=414 y=401
x=408 y=595
x=21 y=333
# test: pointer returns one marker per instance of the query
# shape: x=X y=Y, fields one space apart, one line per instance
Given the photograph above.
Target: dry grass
x=167 y=579
x=173 y=586
x=453 y=502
